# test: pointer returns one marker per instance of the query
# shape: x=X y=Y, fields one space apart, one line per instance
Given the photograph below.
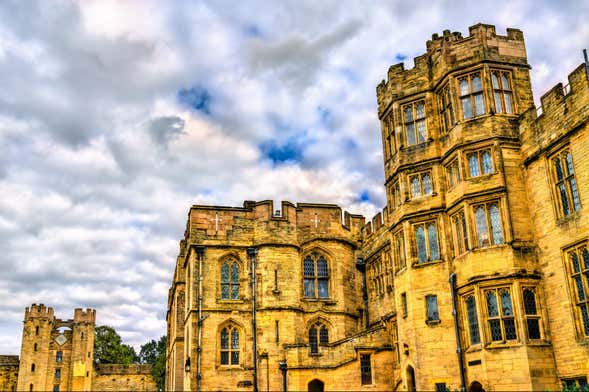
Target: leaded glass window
x=446 y=111
x=230 y=345
x=426 y=242
x=460 y=233
x=471 y=95
x=315 y=276
x=230 y=280
x=414 y=122
x=473 y=320
x=579 y=266
x=480 y=163
x=453 y=174
x=396 y=195
x=432 y=312
x=567 y=193
x=500 y=318
x=531 y=314
x=502 y=91
x=318 y=336
x=488 y=224
x=365 y=369
x=421 y=184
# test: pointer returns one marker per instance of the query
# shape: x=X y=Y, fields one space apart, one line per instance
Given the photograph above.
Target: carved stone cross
x=316 y=220
x=217 y=220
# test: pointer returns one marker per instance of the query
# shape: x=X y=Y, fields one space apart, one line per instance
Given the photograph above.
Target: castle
x=57 y=355
x=474 y=276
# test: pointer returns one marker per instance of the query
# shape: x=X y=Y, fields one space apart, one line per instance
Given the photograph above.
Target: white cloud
x=99 y=162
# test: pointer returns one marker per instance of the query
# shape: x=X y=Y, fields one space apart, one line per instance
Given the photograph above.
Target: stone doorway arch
x=410 y=378
x=315 y=386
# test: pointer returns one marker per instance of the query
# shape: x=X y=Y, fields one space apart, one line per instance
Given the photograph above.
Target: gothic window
x=500 y=315
x=471 y=95
x=396 y=195
x=446 y=110
x=58 y=373
x=488 y=224
x=389 y=130
x=567 y=194
x=58 y=356
x=480 y=163
x=318 y=336
x=426 y=242
x=421 y=184
x=56 y=388
x=230 y=345
x=431 y=303
x=315 y=276
x=460 y=233
x=473 y=320
x=502 y=91
x=365 y=369
x=531 y=313
x=414 y=123
x=399 y=250
x=230 y=280
x=578 y=259
x=453 y=174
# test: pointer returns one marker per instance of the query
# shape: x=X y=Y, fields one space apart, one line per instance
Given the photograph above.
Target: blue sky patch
x=196 y=98
x=289 y=152
x=400 y=57
x=252 y=31
x=364 y=196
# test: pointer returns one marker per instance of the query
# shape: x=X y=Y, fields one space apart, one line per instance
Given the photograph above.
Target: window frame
x=446 y=106
x=460 y=234
x=581 y=319
x=400 y=253
x=366 y=369
x=574 y=207
x=435 y=313
x=315 y=257
x=414 y=122
x=404 y=305
x=532 y=317
x=231 y=327
x=500 y=317
x=453 y=176
x=479 y=157
x=396 y=197
x=469 y=76
x=428 y=245
x=420 y=178
x=492 y=241
x=230 y=262
x=472 y=325
x=321 y=336
x=390 y=146
x=500 y=91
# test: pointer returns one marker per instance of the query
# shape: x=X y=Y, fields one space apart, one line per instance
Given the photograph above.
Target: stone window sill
x=560 y=221
x=230 y=301
x=432 y=323
x=426 y=263
x=503 y=344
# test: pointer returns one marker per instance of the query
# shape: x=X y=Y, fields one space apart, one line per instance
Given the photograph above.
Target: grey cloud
x=296 y=60
x=164 y=129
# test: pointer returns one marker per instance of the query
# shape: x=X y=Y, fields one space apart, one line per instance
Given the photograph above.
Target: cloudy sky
x=115 y=117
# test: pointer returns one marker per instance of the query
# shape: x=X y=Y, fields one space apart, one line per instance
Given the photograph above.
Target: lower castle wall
x=123 y=378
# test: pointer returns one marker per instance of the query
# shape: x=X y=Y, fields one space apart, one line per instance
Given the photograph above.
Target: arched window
x=32 y=367
x=316 y=276
x=230 y=345
x=318 y=335
x=230 y=280
x=59 y=356
x=35 y=347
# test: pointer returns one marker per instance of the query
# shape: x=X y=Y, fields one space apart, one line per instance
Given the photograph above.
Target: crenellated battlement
x=87 y=316
x=257 y=220
x=38 y=311
x=564 y=108
x=450 y=52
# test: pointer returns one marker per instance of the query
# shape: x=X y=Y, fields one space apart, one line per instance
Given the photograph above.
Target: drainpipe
x=361 y=266
x=251 y=252
x=200 y=251
x=458 y=343
x=283 y=368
